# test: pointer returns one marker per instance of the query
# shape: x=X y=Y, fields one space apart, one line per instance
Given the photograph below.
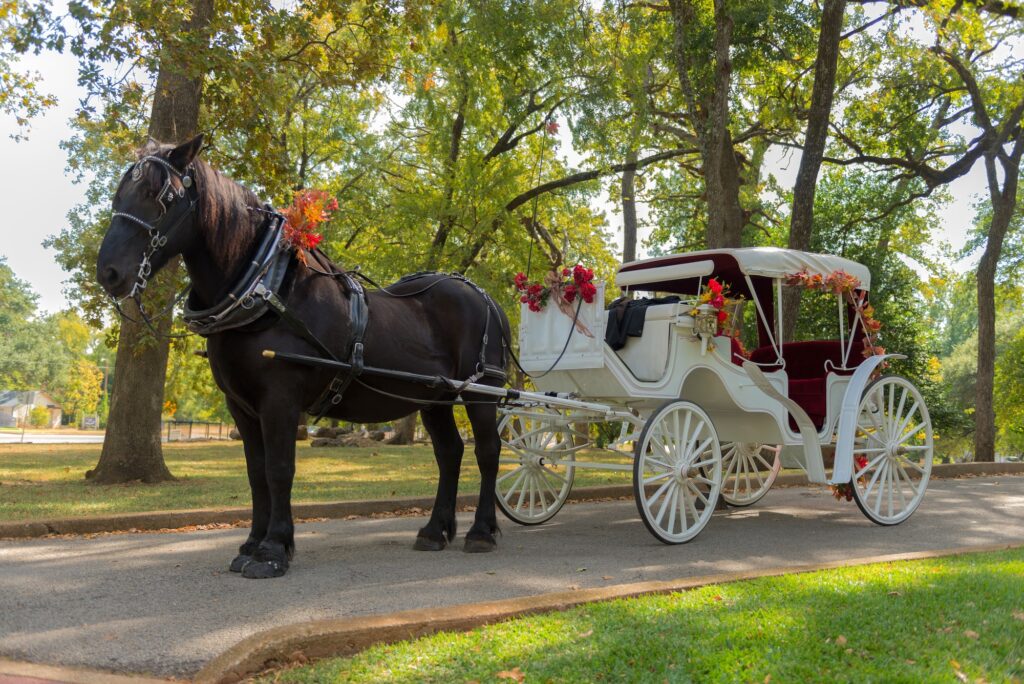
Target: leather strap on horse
x=358 y=313
x=358 y=316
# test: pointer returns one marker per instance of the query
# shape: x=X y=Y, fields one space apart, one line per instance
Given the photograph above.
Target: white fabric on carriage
x=647 y=356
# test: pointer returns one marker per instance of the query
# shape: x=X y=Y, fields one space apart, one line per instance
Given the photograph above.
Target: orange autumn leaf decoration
x=309 y=209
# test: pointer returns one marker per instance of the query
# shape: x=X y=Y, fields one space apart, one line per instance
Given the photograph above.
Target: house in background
x=16 y=408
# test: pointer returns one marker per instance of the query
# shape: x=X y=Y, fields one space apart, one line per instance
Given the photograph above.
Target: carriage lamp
x=706 y=321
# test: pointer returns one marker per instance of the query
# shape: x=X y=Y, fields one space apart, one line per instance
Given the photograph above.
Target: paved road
x=49 y=438
x=164 y=604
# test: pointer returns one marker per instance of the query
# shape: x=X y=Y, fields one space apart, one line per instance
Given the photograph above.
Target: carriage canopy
x=682 y=273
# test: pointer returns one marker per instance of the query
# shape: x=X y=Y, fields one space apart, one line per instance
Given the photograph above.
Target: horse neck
x=212 y=271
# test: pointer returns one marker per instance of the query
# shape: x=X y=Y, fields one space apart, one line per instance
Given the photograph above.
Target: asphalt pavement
x=165 y=604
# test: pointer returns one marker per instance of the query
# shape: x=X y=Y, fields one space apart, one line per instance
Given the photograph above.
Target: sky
x=36 y=193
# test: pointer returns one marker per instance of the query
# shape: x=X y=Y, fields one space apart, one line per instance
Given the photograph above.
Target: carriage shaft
x=454 y=385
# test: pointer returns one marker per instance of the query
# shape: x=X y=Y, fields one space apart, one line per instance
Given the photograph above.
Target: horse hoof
x=428 y=544
x=239 y=562
x=477 y=545
x=255 y=569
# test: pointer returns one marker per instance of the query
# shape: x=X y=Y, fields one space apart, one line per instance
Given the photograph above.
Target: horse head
x=154 y=217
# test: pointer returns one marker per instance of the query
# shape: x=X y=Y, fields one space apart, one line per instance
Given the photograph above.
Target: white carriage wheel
x=892 y=450
x=753 y=468
x=533 y=491
x=677 y=472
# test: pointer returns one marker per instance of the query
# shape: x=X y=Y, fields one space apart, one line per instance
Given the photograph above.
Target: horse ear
x=185 y=153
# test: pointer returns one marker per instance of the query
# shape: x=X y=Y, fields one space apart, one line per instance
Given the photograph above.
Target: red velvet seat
x=805 y=367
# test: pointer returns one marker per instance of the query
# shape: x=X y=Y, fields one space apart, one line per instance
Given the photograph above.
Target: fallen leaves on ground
x=840 y=640
x=515 y=674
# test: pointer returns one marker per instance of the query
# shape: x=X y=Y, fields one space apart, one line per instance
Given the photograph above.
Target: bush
x=39 y=417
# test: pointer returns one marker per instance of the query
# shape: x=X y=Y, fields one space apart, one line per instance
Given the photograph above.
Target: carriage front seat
x=807 y=373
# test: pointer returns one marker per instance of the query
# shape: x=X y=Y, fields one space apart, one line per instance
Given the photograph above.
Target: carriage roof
x=682 y=272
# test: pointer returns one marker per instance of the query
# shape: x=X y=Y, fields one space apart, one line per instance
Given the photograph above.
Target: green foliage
x=82 y=390
x=1009 y=400
x=39 y=417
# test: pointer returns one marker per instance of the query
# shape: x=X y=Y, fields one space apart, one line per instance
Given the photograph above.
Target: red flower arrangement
x=577 y=281
x=715 y=295
x=842 y=283
x=309 y=209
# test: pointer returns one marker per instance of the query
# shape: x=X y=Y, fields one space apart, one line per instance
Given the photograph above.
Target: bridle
x=168 y=197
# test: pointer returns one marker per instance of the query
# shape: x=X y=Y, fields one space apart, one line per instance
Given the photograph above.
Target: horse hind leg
x=484 y=418
x=448 y=448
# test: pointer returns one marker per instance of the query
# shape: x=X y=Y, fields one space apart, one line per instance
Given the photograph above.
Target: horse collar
x=248 y=299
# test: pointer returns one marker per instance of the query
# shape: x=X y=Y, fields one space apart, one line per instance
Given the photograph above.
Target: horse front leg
x=273 y=553
x=484 y=418
x=252 y=443
x=448 y=448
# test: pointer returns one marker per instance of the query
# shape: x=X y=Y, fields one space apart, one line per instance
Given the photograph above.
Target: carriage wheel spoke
x=677 y=493
x=516 y=484
x=899 y=409
x=871 y=483
x=898 y=482
x=878 y=494
x=906 y=461
x=670 y=496
x=766 y=464
x=510 y=473
x=868 y=467
x=692 y=506
x=906 y=421
x=657 y=493
x=701 y=451
x=654 y=478
x=699 y=493
x=910 y=481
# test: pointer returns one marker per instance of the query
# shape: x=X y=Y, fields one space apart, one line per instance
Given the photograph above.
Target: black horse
x=169 y=203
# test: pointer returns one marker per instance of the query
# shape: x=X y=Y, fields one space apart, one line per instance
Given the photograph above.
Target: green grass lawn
x=46 y=481
x=956 y=619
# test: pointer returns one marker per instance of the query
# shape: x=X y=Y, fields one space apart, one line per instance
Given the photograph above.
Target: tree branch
x=584 y=176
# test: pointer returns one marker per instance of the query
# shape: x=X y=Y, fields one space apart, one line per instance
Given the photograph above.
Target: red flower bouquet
x=575 y=282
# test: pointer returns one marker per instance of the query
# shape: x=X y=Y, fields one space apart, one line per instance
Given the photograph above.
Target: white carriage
x=701 y=420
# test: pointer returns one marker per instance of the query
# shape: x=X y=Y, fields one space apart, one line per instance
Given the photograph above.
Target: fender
x=813 y=462
x=842 y=470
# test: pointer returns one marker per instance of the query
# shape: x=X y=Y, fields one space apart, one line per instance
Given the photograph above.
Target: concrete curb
x=16 y=671
x=161 y=520
x=326 y=638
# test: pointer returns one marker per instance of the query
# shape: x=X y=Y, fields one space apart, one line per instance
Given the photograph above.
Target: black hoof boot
x=239 y=562
x=424 y=543
x=245 y=554
x=270 y=560
x=255 y=569
x=480 y=544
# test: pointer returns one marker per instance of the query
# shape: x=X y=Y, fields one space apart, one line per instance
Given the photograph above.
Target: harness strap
x=293 y=322
x=358 y=316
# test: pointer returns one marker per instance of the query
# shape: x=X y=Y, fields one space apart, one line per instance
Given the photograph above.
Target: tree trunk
x=1004 y=203
x=629 y=208
x=132 y=446
x=405 y=430
x=802 y=216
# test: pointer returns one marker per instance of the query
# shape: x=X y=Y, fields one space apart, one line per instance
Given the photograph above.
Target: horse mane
x=223 y=206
